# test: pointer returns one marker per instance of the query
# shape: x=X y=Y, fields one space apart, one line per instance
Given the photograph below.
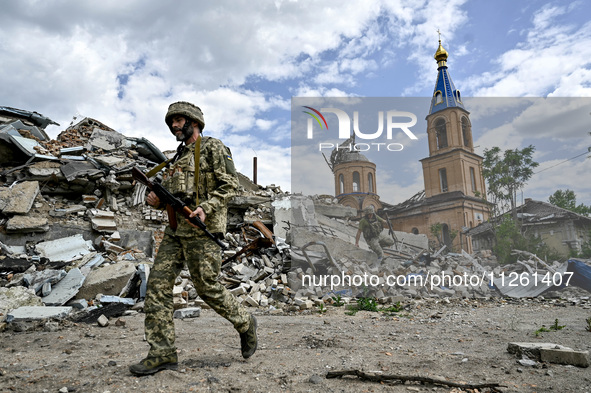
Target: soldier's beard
x=182 y=134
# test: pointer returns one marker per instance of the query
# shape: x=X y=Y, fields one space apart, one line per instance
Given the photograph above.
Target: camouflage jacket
x=218 y=182
x=371 y=228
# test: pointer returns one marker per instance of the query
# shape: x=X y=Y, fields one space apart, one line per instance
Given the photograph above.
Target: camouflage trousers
x=377 y=243
x=203 y=258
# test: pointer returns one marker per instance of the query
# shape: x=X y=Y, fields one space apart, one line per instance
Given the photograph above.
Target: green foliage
x=585 y=248
x=367 y=304
x=507 y=174
x=588 y=327
x=436 y=232
x=363 y=304
x=509 y=237
x=338 y=301
x=393 y=308
x=554 y=328
x=567 y=199
x=321 y=308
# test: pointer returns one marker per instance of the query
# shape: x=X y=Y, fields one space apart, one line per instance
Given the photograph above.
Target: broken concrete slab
x=64 y=249
x=26 y=224
x=117 y=299
x=13 y=298
x=66 y=289
x=36 y=280
x=77 y=169
x=565 y=356
x=106 y=140
x=108 y=280
x=190 y=312
x=103 y=220
x=335 y=211
x=19 y=198
x=32 y=313
x=549 y=352
x=69 y=210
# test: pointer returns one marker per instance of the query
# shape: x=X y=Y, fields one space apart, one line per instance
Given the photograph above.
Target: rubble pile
x=78 y=240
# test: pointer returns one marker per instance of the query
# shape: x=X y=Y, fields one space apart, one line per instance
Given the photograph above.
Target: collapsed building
x=75 y=234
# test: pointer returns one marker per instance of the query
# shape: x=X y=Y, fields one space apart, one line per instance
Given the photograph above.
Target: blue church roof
x=445 y=94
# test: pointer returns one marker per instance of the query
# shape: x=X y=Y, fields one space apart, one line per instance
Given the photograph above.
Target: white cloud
x=547 y=63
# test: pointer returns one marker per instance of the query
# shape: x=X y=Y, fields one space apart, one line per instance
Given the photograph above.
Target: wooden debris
x=410 y=378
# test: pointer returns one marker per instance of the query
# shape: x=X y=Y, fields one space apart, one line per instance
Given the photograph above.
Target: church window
x=458 y=96
x=370 y=182
x=441 y=133
x=466 y=131
x=473 y=178
x=438 y=97
x=341 y=184
x=356 y=182
x=443 y=180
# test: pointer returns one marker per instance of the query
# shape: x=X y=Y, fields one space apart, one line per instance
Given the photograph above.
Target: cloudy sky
x=124 y=62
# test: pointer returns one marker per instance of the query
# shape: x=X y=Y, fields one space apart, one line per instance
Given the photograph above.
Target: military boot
x=248 y=339
x=151 y=365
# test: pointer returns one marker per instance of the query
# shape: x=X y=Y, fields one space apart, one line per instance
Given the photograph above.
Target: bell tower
x=452 y=165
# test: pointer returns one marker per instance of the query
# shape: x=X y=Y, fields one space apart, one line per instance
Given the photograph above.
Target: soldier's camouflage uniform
x=372 y=233
x=217 y=183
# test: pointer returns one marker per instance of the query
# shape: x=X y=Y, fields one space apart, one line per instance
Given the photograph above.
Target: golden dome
x=441 y=54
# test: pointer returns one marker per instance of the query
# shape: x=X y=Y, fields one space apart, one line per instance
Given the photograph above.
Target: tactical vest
x=217 y=183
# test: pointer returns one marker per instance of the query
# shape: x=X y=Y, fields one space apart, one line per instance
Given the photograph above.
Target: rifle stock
x=175 y=203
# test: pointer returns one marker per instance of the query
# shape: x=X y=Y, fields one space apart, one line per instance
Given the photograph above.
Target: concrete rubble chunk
x=103 y=321
x=68 y=210
x=106 y=140
x=117 y=299
x=64 y=249
x=26 y=224
x=551 y=353
x=19 y=198
x=32 y=313
x=103 y=221
x=36 y=280
x=13 y=298
x=108 y=280
x=565 y=356
x=66 y=289
x=190 y=312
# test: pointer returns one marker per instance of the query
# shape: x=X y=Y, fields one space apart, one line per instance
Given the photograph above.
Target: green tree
x=567 y=199
x=506 y=174
x=510 y=237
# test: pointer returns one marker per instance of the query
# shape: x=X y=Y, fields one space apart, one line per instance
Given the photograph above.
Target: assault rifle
x=173 y=204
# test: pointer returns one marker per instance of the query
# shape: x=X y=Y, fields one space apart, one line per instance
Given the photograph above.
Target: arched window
x=415 y=231
x=356 y=182
x=466 y=131
x=370 y=182
x=438 y=97
x=443 y=180
x=441 y=133
x=446 y=236
x=341 y=184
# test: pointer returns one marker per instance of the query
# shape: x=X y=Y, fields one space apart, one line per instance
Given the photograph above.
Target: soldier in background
x=371 y=225
x=205 y=188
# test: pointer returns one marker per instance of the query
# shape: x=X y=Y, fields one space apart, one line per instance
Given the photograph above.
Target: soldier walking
x=202 y=174
x=371 y=225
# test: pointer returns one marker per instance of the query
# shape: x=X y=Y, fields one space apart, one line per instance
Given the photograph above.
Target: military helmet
x=369 y=209
x=183 y=108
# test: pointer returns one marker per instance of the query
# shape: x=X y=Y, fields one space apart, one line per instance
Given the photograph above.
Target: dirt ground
x=463 y=341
